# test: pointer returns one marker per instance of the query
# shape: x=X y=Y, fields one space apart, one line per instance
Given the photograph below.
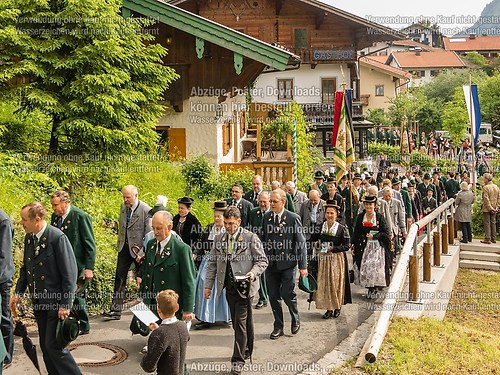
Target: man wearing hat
x=352 y=197
x=243 y=205
x=429 y=203
x=416 y=201
x=319 y=183
x=237 y=254
x=134 y=224
x=77 y=226
x=424 y=186
x=49 y=272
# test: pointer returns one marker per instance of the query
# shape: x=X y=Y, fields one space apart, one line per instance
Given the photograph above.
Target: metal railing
x=409 y=256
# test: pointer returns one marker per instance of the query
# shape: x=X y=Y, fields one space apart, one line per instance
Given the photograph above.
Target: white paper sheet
x=144 y=314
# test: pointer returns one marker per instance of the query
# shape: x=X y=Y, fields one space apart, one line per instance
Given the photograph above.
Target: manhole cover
x=97 y=354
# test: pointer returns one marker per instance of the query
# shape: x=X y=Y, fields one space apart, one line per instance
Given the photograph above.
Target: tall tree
x=96 y=75
x=455 y=118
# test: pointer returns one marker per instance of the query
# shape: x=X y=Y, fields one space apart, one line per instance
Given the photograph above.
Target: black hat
x=396 y=181
x=330 y=179
x=332 y=203
x=356 y=175
x=185 y=200
x=220 y=206
x=380 y=179
x=370 y=199
x=308 y=284
x=411 y=183
x=243 y=285
x=345 y=177
x=318 y=174
x=427 y=176
x=138 y=328
x=67 y=330
x=430 y=189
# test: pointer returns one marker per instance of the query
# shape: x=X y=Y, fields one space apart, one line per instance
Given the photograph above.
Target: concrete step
x=476 y=245
x=476 y=255
x=480 y=264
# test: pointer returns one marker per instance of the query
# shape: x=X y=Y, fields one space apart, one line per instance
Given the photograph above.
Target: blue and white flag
x=473 y=110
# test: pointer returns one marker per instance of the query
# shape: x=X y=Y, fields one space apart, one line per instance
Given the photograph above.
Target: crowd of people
x=258 y=242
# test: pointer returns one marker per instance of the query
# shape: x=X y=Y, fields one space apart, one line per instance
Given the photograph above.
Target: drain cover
x=97 y=354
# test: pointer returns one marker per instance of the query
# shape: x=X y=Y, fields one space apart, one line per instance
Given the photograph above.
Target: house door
x=176 y=143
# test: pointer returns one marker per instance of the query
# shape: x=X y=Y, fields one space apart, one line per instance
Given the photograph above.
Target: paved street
x=209 y=351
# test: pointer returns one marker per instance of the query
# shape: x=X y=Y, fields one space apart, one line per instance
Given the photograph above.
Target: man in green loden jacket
x=168 y=264
x=77 y=226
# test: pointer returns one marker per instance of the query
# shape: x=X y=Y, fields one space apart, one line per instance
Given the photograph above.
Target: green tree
x=476 y=58
x=89 y=70
x=455 y=117
x=443 y=86
x=377 y=116
x=489 y=95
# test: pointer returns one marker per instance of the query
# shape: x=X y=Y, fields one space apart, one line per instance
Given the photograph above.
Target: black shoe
x=84 y=332
x=260 y=305
x=463 y=241
x=203 y=325
x=295 y=328
x=276 y=334
x=328 y=314
x=115 y=315
x=336 y=313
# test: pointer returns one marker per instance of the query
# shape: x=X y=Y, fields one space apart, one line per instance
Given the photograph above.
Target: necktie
x=276 y=220
x=35 y=240
x=230 y=245
x=129 y=214
x=234 y=203
x=59 y=222
x=158 y=248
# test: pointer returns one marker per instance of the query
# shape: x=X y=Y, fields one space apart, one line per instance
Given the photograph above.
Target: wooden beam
x=279 y=5
x=320 y=18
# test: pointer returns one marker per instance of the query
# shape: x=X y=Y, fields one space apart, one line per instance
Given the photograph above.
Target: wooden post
x=413 y=277
x=451 y=230
x=289 y=147
x=259 y=142
x=437 y=249
x=455 y=227
x=444 y=236
x=427 y=261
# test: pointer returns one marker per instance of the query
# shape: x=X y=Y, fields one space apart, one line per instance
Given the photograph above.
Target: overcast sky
x=449 y=14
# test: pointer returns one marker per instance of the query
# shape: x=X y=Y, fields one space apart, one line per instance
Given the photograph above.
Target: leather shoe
x=336 y=313
x=328 y=314
x=260 y=305
x=116 y=315
x=493 y=241
x=486 y=242
x=83 y=332
x=295 y=328
x=203 y=325
x=276 y=334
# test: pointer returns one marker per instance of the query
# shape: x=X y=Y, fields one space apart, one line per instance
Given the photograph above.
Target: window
x=434 y=73
x=379 y=90
x=285 y=89
x=328 y=87
x=300 y=38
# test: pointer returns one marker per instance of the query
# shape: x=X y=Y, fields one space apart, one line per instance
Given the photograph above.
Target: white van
x=485 y=133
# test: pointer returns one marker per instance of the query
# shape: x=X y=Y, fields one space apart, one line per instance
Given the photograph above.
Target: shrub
x=197 y=171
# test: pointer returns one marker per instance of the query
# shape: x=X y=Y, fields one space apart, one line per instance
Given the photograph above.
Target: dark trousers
x=263 y=296
x=6 y=323
x=57 y=361
x=123 y=264
x=242 y=320
x=490 y=225
x=281 y=285
x=466 y=232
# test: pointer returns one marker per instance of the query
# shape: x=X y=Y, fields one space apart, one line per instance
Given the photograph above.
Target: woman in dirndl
x=372 y=257
x=333 y=280
x=216 y=308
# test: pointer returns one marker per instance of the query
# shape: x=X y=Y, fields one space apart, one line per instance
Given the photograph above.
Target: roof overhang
x=213 y=32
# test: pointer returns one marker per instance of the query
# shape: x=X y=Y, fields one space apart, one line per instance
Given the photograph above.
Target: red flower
x=368 y=224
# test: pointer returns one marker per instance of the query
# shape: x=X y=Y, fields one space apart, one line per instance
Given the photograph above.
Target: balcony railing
x=322 y=113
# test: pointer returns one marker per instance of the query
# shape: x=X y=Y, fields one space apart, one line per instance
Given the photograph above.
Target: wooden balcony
x=318 y=114
x=324 y=55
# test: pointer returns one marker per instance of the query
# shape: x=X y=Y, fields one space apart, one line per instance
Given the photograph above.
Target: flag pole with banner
x=472 y=101
x=343 y=150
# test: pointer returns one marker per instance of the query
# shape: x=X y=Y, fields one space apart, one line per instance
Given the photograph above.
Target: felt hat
x=243 y=286
x=219 y=206
x=318 y=175
x=396 y=181
x=370 y=199
x=332 y=203
x=308 y=284
x=430 y=189
x=357 y=175
x=138 y=328
x=67 y=330
x=185 y=200
x=427 y=176
x=330 y=179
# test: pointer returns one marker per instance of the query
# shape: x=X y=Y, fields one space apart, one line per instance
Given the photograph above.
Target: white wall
x=306 y=81
x=203 y=129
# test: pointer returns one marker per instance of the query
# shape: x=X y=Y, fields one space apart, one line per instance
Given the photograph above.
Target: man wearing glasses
x=243 y=205
x=285 y=246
